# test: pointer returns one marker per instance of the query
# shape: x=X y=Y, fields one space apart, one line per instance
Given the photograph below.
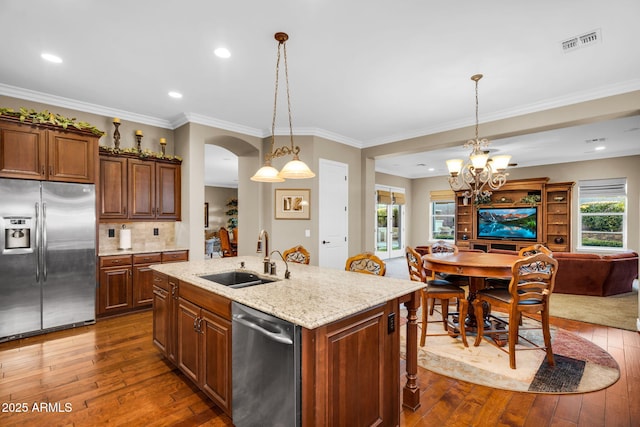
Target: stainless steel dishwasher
x=266 y=369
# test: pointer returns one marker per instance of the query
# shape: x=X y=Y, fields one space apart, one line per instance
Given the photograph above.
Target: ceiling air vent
x=584 y=40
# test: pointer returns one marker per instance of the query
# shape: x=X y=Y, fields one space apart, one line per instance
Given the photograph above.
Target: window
x=443 y=215
x=602 y=215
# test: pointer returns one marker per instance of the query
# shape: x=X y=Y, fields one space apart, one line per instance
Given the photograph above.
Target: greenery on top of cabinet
x=47 y=118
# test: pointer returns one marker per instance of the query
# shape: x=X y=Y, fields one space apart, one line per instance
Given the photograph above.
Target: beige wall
x=607 y=168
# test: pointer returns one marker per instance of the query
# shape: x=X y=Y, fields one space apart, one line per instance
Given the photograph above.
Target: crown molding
x=574 y=98
x=59 y=101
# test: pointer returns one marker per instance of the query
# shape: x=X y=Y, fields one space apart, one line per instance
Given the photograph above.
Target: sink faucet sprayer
x=264 y=236
x=287 y=273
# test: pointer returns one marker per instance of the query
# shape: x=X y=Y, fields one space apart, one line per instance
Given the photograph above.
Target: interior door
x=333 y=202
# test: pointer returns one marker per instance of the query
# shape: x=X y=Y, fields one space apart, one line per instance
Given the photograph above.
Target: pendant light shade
x=267 y=173
x=295 y=169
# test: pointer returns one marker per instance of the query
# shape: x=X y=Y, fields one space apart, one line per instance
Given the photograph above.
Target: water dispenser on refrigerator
x=17 y=235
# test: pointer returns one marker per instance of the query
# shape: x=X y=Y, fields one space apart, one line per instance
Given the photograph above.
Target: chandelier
x=480 y=174
x=294 y=169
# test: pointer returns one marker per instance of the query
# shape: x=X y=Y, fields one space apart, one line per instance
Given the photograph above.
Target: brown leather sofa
x=593 y=274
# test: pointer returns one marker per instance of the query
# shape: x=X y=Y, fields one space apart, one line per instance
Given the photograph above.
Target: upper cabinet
x=139 y=189
x=30 y=151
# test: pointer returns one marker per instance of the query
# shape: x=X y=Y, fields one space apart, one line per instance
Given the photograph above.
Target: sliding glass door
x=389 y=222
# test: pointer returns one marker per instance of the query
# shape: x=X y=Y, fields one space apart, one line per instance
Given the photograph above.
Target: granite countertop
x=311 y=298
x=142 y=249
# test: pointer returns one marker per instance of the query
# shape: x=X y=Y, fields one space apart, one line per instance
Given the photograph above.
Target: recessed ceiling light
x=222 y=52
x=176 y=95
x=600 y=148
x=431 y=169
x=51 y=58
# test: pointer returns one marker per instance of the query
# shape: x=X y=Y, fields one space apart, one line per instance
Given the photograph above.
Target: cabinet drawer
x=175 y=256
x=161 y=280
x=150 y=258
x=115 y=260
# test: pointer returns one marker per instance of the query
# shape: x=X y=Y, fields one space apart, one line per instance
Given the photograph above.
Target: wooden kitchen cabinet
x=113 y=188
x=114 y=290
x=165 y=309
x=127 y=282
x=137 y=189
x=204 y=342
x=31 y=151
x=353 y=360
x=143 y=278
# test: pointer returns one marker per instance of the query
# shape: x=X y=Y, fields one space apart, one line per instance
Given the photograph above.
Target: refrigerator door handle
x=44 y=241
x=37 y=227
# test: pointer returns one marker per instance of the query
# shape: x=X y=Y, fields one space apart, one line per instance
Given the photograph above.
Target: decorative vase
x=558 y=240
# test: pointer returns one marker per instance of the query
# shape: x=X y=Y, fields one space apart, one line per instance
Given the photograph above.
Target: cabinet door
x=114 y=293
x=141 y=175
x=168 y=191
x=71 y=157
x=142 y=285
x=188 y=352
x=358 y=378
x=161 y=316
x=22 y=151
x=113 y=188
x=216 y=356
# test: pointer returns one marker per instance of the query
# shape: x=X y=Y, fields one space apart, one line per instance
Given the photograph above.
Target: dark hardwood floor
x=111 y=374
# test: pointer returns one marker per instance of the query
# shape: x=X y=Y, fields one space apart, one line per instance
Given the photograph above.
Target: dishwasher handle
x=250 y=323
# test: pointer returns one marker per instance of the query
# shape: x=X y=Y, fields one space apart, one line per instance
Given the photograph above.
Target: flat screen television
x=508 y=223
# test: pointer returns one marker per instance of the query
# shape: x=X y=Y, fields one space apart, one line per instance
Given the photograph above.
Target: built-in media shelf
x=552 y=215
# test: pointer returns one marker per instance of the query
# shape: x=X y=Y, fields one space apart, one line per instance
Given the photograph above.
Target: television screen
x=508 y=223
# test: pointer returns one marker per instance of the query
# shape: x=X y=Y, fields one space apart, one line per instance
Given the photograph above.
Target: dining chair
x=367 y=263
x=438 y=289
x=530 y=288
x=441 y=247
x=498 y=282
x=228 y=250
x=297 y=254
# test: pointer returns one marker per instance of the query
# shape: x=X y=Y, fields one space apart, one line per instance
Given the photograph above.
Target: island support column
x=411 y=391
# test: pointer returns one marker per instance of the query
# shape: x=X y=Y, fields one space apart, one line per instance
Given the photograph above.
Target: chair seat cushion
x=439 y=282
x=441 y=288
x=504 y=296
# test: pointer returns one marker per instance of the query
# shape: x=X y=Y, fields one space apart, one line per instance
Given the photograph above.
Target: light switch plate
x=307 y=233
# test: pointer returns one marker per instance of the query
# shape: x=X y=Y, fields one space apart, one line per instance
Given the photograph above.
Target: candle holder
x=163 y=146
x=139 y=141
x=116 y=135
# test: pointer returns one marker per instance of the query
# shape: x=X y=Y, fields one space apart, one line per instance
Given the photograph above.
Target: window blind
x=446 y=195
x=603 y=187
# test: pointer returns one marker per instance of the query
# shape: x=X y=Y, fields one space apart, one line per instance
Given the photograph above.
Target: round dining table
x=476 y=265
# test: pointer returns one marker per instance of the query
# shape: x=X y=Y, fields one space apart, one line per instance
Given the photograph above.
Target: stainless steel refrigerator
x=47 y=256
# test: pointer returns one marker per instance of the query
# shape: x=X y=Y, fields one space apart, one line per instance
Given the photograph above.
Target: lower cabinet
x=352 y=370
x=126 y=281
x=114 y=293
x=204 y=344
x=165 y=308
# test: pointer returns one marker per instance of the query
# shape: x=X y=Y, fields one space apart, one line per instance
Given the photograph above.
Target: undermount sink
x=237 y=279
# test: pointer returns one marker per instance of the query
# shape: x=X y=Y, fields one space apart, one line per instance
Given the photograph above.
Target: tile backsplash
x=153 y=234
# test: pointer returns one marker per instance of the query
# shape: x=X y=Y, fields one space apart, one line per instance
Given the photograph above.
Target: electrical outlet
x=156 y=232
x=112 y=232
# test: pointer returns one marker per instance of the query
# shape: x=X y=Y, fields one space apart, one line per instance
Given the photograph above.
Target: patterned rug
x=581 y=366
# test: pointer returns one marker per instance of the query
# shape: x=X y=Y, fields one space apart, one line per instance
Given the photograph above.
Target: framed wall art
x=292 y=203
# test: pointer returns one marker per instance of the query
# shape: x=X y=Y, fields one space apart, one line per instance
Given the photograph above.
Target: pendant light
x=294 y=169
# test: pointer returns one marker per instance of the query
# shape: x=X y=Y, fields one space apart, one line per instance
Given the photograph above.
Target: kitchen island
x=350 y=334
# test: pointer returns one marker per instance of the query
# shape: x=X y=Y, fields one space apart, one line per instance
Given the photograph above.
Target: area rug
x=617 y=311
x=581 y=366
